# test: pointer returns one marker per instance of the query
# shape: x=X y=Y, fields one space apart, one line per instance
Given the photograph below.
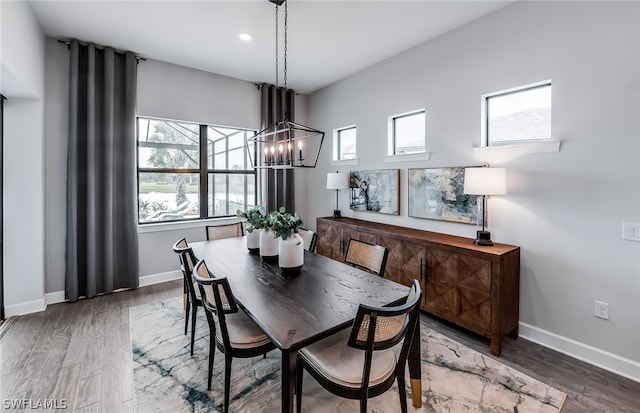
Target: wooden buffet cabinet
x=475 y=287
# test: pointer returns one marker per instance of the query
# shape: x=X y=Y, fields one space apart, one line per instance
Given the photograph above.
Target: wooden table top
x=295 y=311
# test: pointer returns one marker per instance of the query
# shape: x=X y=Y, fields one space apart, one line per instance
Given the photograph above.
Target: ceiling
x=328 y=40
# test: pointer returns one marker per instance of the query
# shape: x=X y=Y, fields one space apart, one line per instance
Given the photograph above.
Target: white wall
x=22 y=82
x=564 y=209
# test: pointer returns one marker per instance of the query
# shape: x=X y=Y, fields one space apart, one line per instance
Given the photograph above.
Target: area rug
x=455 y=378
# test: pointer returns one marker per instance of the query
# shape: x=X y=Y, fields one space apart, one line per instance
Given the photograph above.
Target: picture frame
x=438 y=193
x=375 y=191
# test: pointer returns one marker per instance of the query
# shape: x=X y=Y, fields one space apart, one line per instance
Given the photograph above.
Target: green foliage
x=148 y=208
x=255 y=216
x=284 y=223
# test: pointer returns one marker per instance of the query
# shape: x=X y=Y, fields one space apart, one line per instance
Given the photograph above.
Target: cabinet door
x=330 y=242
x=459 y=289
x=404 y=261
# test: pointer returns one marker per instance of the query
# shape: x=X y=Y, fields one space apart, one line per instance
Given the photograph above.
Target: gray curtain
x=102 y=240
x=277 y=184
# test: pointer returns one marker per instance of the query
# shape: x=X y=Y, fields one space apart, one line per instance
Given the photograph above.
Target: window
x=407 y=133
x=517 y=115
x=189 y=171
x=344 y=143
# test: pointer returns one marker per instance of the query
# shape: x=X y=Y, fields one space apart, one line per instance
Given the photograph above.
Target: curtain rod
x=68 y=43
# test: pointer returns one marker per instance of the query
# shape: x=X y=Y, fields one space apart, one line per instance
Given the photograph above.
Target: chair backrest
x=217 y=297
x=380 y=328
x=309 y=237
x=367 y=256
x=187 y=262
x=225 y=231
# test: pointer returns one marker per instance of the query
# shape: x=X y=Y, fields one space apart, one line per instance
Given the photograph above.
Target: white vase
x=268 y=244
x=253 y=240
x=291 y=256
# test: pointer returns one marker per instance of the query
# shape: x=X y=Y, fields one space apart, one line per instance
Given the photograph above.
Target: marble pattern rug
x=455 y=378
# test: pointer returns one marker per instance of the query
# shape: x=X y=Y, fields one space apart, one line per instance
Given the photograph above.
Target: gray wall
x=564 y=209
x=22 y=82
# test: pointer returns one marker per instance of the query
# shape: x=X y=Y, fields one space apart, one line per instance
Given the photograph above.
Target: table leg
x=415 y=373
x=288 y=379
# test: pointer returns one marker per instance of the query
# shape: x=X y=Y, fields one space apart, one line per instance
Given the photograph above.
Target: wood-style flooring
x=80 y=353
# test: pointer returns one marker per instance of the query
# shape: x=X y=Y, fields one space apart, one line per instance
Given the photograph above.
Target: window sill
x=517 y=149
x=344 y=162
x=180 y=225
x=424 y=156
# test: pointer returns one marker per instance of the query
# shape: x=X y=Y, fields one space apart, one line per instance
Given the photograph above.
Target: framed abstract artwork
x=375 y=191
x=438 y=193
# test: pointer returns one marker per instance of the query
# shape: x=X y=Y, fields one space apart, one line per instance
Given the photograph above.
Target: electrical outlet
x=630 y=231
x=602 y=310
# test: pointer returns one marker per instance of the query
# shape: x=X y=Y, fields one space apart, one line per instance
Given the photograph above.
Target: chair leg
x=227 y=381
x=299 y=374
x=186 y=316
x=402 y=392
x=212 y=354
x=363 y=405
x=194 y=311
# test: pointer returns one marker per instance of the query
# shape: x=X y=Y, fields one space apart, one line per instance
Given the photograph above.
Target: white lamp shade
x=338 y=180
x=485 y=181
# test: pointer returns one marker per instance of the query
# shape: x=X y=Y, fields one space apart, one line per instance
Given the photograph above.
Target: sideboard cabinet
x=475 y=287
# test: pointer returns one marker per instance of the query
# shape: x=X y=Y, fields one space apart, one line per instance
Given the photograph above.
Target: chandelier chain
x=277 y=45
x=285 y=44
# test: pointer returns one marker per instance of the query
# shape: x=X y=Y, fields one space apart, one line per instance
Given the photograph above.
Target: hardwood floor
x=80 y=353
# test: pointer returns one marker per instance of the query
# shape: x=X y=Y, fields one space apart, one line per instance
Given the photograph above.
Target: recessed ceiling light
x=245 y=36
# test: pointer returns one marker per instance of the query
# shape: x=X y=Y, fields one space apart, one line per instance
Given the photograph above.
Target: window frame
x=484 y=117
x=337 y=155
x=391 y=139
x=203 y=170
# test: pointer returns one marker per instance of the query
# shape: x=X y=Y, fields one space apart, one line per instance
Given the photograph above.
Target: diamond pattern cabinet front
x=406 y=261
x=458 y=289
x=330 y=242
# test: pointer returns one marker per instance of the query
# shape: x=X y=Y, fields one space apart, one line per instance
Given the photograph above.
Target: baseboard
x=27 y=307
x=592 y=355
x=159 y=278
x=55 y=297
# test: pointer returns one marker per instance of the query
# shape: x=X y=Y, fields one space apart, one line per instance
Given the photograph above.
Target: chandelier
x=284 y=144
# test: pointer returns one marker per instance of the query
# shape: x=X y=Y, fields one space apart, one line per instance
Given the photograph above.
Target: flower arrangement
x=255 y=216
x=283 y=223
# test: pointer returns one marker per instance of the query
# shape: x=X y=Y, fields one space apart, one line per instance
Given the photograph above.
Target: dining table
x=297 y=309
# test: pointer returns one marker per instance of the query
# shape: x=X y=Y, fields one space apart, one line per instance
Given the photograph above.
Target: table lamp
x=337 y=181
x=484 y=181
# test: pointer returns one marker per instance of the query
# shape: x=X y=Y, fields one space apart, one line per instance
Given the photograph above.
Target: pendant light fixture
x=284 y=144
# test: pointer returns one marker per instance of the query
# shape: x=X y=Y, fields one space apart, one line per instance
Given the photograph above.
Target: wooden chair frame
x=191 y=302
x=362 y=264
x=224 y=304
x=314 y=238
x=226 y=228
x=370 y=314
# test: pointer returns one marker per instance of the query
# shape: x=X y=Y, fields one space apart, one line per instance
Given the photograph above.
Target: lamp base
x=336 y=214
x=483 y=238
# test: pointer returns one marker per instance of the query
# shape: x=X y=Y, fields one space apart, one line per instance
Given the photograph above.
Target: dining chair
x=237 y=335
x=310 y=239
x=369 y=257
x=225 y=231
x=364 y=361
x=192 y=293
